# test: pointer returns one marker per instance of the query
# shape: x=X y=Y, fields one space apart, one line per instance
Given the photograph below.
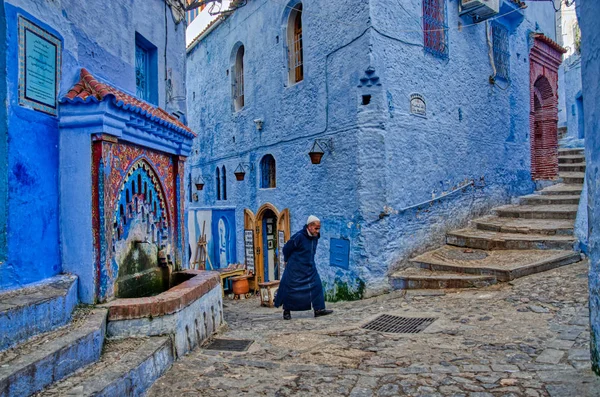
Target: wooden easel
x=201 y=255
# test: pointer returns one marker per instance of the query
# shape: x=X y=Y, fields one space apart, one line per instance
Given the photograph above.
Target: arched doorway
x=544 y=139
x=269 y=230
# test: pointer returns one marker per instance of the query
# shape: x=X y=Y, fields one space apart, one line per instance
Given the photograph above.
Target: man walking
x=300 y=285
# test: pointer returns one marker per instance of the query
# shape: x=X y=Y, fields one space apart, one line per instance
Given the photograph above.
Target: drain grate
x=230 y=345
x=399 y=325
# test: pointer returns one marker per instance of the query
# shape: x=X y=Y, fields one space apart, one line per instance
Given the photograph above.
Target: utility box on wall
x=480 y=9
x=339 y=253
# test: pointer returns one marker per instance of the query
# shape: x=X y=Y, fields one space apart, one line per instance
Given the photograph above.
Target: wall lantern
x=240 y=171
x=259 y=124
x=318 y=149
x=199 y=182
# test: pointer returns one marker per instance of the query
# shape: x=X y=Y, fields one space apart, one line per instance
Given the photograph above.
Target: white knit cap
x=312 y=219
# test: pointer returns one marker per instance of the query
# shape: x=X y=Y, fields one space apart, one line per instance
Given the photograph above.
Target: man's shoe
x=322 y=312
x=287 y=315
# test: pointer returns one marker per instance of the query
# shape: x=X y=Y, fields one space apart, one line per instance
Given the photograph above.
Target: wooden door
x=283 y=235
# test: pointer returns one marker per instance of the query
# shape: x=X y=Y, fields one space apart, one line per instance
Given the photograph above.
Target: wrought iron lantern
x=318 y=150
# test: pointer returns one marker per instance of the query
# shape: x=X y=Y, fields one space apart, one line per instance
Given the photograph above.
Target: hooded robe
x=300 y=285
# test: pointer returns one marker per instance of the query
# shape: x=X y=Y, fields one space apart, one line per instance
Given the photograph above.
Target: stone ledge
x=168 y=302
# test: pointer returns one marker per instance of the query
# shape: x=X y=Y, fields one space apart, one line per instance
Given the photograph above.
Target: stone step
x=570 y=151
x=538 y=211
x=488 y=240
x=562 y=189
x=36 y=309
x=572 y=159
x=50 y=357
x=572 y=177
x=580 y=167
x=128 y=367
x=534 y=199
x=419 y=278
x=505 y=265
x=550 y=227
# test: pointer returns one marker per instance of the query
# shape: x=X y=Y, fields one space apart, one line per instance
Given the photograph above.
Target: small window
x=238 y=80
x=501 y=50
x=218 y=183
x=224 y=182
x=146 y=70
x=267 y=172
x=435 y=28
x=294 y=43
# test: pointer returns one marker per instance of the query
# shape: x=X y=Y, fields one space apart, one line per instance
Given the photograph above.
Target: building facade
x=589 y=16
x=94 y=141
x=421 y=118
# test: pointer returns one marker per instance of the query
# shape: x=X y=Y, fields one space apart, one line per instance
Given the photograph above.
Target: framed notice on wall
x=281 y=243
x=249 y=249
x=39 y=67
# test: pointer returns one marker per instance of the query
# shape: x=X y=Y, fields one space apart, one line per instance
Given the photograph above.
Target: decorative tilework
x=118 y=165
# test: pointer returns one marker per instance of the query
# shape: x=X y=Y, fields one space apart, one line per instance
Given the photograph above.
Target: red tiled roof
x=89 y=89
x=550 y=42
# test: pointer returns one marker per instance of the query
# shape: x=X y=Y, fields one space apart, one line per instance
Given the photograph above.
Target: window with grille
x=267 y=172
x=238 y=79
x=501 y=50
x=295 y=48
x=146 y=70
x=141 y=72
x=435 y=28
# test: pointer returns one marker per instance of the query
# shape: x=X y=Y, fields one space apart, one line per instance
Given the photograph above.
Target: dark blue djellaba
x=300 y=285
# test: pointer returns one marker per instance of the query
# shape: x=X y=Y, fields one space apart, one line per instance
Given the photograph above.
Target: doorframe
x=254 y=223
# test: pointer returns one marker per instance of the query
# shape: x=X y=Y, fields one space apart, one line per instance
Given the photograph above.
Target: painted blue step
x=32 y=310
x=49 y=357
x=128 y=367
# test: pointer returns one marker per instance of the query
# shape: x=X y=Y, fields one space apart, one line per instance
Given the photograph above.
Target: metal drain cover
x=230 y=345
x=399 y=325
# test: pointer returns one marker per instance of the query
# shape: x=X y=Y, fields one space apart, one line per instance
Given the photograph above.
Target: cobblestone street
x=529 y=337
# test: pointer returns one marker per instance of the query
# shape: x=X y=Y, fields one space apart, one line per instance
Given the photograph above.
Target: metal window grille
x=267 y=172
x=141 y=72
x=296 y=55
x=435 y=28
x=501 y=50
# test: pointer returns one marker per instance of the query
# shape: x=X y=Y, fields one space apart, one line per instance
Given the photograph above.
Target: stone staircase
x=534 y=236
x=51 y=347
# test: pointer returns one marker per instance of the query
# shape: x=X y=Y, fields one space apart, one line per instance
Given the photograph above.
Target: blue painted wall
x=384 y=158
x=588 y=12
x=35 y=243
x=572 y=91
x=3 y=139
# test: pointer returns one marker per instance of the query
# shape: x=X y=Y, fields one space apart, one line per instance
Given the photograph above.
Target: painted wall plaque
x=39 y=67
x=417 y=105
x=249 y=249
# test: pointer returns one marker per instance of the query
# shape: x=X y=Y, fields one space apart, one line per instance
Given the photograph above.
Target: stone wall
x=588 y=12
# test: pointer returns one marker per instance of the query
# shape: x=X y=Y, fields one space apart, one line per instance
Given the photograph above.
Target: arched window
x=267 y=172
x=238 y=79
x=294 y=43
x=218 y=184
x=224 y=182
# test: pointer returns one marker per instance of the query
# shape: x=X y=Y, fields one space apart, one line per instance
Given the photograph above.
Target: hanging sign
x=280 y=244
x=249 y=249
x=39 y=67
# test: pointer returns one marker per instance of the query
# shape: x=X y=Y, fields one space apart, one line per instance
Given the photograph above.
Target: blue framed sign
x=39 y=67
